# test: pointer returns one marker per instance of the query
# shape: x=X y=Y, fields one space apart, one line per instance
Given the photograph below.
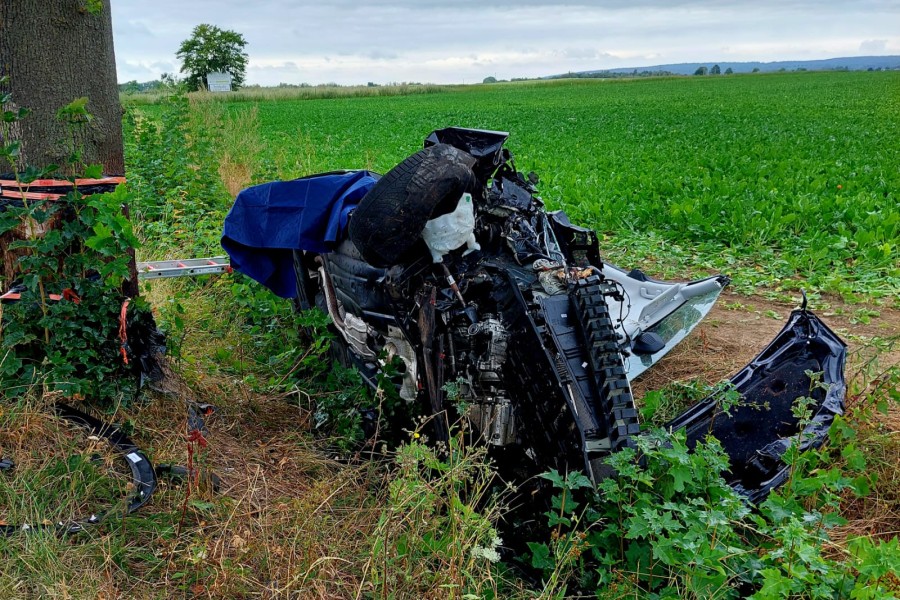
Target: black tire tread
x=391 y=216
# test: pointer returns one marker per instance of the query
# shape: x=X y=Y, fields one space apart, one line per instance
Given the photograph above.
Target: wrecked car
x=451 y=264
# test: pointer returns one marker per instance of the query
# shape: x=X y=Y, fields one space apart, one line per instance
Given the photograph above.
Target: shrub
x=669 y=526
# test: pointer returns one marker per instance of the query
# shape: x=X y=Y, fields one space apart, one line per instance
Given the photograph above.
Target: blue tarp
x=269 y=221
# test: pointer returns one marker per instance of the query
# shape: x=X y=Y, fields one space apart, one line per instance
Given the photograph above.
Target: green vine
x=61 y=334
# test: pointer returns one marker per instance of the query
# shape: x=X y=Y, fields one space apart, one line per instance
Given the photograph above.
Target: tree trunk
x=53 y=53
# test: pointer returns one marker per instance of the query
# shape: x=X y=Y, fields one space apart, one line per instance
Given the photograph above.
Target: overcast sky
x=457 y=41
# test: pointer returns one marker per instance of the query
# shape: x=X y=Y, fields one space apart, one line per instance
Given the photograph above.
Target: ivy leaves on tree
x=76 y=248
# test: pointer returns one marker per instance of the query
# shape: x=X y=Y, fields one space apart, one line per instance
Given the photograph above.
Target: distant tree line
x=606 y=75
x=169 y=82
x=716 y=70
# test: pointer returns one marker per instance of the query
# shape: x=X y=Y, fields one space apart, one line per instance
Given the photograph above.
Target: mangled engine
x=506 y=311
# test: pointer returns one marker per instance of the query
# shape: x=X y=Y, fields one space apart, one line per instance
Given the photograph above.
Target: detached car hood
x=806 y=359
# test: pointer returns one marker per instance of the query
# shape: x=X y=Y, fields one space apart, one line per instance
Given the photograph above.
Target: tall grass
x=238 y=142
x=269 y=94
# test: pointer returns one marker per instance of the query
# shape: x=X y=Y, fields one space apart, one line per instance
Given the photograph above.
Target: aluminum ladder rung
x=189 y=267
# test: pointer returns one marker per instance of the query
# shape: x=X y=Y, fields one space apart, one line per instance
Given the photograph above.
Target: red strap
x=29 y=195
x=11 y=295
x=123 y=330
x=63 y=182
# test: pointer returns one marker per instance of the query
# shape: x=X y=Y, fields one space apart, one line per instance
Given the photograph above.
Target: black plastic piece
x=761 y=429
x=197 y=412
x=648 y=343
x=578 y=242
x=180 y=473
x=638 y=275
x=485 y=146
x=306 y=292
x=142 y=472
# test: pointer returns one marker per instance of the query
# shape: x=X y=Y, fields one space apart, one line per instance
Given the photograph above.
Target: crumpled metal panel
x=486 y=146
x=762 y=428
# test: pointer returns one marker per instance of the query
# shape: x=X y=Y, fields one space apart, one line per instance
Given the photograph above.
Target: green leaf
x=75 y=112
x=12 y=150
x=553 y=477
x=638 y=527
x=775 y=586
x=93 y=172
x=540 y=556
x=101 y=238
x=681 y=475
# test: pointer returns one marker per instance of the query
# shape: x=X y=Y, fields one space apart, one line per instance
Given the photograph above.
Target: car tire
x=390 y=218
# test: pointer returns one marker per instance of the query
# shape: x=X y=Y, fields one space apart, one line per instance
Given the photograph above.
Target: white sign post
x=218 y=82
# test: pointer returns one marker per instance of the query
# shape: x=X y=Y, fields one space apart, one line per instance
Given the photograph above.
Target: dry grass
x=287 y=522
x=317 y=92
x=94 y=477
x=283 y=505
x=878 y=514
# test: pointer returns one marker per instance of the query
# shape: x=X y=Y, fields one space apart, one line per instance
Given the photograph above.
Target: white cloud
x=348 y=41
x=873 y=46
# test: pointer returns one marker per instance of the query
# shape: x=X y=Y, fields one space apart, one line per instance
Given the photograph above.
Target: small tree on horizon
x=213 y=50
x=728 y=71
x=716 y=70
x=700 y=71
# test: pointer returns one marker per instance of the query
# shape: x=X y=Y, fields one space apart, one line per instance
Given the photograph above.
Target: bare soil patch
x=739 y=327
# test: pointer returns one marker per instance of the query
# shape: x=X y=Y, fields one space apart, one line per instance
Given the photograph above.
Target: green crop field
x=797 y=174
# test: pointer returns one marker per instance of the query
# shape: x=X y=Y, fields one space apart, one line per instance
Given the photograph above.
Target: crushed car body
x=451 y=264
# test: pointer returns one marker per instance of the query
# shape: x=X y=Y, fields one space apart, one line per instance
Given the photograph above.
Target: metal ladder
x=188 y=267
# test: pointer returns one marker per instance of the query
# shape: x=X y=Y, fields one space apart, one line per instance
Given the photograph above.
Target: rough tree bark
x=54 y=52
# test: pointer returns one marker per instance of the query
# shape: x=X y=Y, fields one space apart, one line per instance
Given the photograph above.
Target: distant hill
x=848 y=63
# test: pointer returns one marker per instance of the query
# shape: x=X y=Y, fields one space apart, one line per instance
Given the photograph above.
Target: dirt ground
x=739 y=327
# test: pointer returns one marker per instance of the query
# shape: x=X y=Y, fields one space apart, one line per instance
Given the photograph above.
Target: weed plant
x=76 y=247
x=437 y=534
x=669 y=526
